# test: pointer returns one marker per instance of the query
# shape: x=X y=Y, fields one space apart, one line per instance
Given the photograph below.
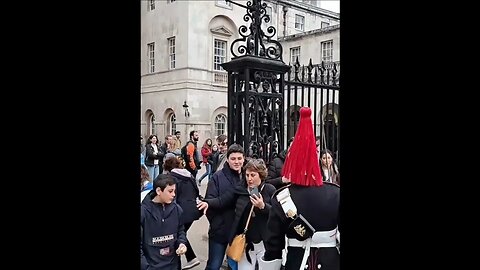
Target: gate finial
x=254 y=42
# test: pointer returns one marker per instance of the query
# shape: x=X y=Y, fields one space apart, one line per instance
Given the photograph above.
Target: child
x=163 y=237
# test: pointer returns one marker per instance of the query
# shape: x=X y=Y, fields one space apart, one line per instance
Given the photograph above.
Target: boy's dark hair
x=177 y=132
x=192 y=132
x=162 y=181
x=235 y=148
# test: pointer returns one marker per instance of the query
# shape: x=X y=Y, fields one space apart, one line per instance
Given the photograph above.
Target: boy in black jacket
x=162 y=238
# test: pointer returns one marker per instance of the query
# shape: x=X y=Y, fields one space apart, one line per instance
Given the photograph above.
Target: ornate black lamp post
x=255 y=86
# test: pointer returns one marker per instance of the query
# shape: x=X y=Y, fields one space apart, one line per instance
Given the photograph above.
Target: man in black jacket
x=306 y=211
x=221 y=215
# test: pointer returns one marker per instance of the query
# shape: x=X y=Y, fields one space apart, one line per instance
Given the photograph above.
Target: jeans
x=153 y=171
x=208 y=172
x=233 y=264
x=216 y=252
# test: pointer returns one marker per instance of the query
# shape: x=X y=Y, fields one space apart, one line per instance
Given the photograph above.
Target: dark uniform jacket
x=162 y=232
x=320 y=207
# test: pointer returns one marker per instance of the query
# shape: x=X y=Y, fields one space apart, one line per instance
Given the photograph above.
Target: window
x=299 y=22
x=223 y=3
x=327 y=51
x=171 y=52
x=173 y=124
x=324 y=24
x=151 y=57
x=152 y=124
x=294 y=53
x=151 y=5
x=220 y=123
x=219 y=54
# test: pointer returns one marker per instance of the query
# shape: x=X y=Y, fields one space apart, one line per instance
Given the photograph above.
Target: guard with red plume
x=301 y=163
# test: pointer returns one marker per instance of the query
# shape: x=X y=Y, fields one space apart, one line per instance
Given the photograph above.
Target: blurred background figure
x=153 y=156
x=187 y=195
x=146 y=183
x=206 y=153
x=329 y=170
x=275 y=169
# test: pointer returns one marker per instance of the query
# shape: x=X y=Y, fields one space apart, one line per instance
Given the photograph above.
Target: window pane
x=220 y=124
x=219 y=53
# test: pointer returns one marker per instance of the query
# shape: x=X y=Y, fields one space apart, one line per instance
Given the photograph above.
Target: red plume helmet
x=301 y=162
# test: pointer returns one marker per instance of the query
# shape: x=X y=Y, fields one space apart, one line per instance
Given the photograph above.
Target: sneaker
x=191 y=264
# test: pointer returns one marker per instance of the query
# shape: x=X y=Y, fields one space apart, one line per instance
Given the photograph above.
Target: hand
x=257 y=201
x=203 y=206
x=285 y=180
x=181 y=249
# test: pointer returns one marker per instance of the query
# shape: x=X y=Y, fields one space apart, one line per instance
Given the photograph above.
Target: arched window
x=173 y=125
x=152 y=124
x=220 y=124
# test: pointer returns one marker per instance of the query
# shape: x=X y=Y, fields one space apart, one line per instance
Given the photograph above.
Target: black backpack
x=184 y=153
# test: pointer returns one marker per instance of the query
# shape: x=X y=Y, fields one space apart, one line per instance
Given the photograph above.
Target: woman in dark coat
x=255 y=175
x=187 y=195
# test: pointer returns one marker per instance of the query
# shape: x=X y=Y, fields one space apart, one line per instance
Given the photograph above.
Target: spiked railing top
x=329 y=73
x=254 y=41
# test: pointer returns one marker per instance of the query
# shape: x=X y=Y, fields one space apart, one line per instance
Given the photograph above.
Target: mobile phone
x=255 y=191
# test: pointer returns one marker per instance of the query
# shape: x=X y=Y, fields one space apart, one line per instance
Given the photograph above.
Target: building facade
x=183 y=86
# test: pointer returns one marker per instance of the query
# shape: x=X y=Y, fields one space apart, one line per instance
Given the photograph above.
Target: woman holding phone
x=253 y=192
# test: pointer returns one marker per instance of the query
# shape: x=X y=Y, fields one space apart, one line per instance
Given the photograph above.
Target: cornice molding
x=221 y=30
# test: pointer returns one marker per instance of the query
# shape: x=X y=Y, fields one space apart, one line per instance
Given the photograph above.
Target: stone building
x=183 y=86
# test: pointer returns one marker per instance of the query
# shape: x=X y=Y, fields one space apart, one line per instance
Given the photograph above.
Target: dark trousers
x=189 y=255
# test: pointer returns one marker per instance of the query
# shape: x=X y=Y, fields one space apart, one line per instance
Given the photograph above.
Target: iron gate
x=263 y=105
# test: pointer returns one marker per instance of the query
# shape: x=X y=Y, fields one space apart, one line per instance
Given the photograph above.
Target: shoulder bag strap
x=248 y=220
x=250 y=215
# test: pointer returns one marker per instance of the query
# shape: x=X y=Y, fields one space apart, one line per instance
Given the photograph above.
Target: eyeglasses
x=223 y=143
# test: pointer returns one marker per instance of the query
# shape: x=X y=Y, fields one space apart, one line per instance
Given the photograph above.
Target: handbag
x=237 y=248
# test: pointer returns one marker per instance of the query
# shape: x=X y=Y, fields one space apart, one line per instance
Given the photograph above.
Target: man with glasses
x=219 y=158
